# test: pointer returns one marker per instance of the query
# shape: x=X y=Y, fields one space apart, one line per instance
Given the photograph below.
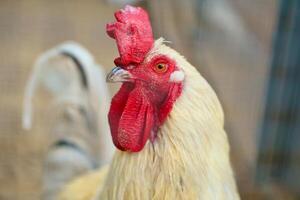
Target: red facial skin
x=141 y=106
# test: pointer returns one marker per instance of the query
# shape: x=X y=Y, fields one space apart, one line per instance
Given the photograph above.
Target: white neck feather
x=190 y=157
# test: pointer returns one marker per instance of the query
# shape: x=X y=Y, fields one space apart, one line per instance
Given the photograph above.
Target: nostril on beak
x=111 y=74
x=118 y=74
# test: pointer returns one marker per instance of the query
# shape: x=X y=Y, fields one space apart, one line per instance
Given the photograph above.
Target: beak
x=118 y=74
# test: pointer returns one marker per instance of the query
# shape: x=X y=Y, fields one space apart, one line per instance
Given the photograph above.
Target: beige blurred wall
x=27 y=28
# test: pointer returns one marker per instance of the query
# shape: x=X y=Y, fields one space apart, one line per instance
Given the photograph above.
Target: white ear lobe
x=177 y=76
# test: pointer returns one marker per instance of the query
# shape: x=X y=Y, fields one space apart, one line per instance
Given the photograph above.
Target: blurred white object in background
x=79 y=137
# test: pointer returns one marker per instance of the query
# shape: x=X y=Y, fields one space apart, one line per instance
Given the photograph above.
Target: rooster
x=166 y=122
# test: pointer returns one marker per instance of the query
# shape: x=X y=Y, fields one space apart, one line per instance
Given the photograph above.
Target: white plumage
x=188 y=160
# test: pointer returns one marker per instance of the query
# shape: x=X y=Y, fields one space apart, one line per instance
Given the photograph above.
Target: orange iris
x=161 y=68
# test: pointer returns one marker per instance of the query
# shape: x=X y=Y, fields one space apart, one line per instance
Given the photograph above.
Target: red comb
x=133 y=34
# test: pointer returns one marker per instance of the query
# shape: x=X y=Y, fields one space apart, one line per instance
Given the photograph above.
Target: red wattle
x=118 y=104
x=131 y=119
x=135 y=123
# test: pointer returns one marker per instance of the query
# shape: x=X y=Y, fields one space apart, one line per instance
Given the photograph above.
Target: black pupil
x=160 y=66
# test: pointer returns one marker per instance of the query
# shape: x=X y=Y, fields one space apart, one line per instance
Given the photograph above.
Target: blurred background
x=248 y=50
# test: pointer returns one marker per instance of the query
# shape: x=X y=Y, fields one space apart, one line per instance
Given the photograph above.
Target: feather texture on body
x=188 y=160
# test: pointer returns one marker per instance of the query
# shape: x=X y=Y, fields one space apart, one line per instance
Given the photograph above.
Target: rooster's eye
x=161 y=68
